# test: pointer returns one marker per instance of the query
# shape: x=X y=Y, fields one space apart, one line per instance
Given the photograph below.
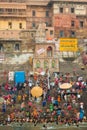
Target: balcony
x=9 y=14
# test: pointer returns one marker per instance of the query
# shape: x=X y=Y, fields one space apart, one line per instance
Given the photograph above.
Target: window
x=49 y=51
x=10 y=25
x=17 y=47
x=1 y=48
x=61 y=33
x=9 y=10
x=51 y=32
x=81 y=24
x=72 y=34
x=72 y=10
x=14 y=10
x=20 y=25
x=47 y=13
x=33 y=25
x=1 y=10
x=38 y=64
x=53 y=64
x=72 y=23
x=46 y=29
x=33 y=13
x=61 y=10
x=32 y=35
x=46 y=24
x=46 y=64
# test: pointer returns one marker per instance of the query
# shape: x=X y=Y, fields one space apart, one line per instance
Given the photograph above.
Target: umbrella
x=36 y=91
x=37 y=73
x=65 y=86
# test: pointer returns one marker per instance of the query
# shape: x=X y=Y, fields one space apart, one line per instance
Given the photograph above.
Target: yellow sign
x=68 y=44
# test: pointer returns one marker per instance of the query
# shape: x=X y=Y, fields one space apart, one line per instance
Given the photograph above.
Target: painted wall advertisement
x=68 y=44
x=80 y=10
x=64 y=20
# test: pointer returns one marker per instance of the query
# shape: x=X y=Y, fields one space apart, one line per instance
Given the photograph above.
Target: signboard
x=40 y=51
x=80 y=10
x=11 y=76
x=64 y=20
x=68 y=44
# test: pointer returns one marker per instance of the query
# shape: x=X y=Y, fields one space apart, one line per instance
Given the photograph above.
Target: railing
x=4 y=14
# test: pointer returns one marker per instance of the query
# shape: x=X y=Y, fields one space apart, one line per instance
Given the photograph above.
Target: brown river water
x=39 y=127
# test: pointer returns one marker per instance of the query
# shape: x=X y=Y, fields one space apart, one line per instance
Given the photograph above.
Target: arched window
x=46 y=65
x=38 y=64
x=1 y=47
x=49 y=51
x=53 y=64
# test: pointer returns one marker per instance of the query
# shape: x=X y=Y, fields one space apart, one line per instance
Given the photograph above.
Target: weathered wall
x=63 y=20
x=4 y=24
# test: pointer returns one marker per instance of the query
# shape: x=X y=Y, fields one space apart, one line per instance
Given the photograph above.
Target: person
x=45 y=126
x=3 y=107
x=35 y=99
x=8 y=119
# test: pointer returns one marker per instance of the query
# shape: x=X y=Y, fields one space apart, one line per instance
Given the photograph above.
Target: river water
x=57 y=127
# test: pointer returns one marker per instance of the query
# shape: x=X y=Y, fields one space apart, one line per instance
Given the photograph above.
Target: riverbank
x=27 y=126
x=56 y=105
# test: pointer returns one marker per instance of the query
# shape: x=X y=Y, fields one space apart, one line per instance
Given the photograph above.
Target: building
x=44 y=54
x=69 y=18
x=12 y=21
x=44 y=58
x=20 y=19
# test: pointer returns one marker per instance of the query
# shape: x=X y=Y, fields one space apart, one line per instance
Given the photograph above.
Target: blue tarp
x=19 y=77
x=81 y=113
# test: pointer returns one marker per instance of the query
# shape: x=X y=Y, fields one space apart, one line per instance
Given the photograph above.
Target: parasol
x=65 y=86
x=37 y=73
x=36 y=91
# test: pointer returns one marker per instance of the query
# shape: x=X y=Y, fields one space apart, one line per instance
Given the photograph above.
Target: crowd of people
x=55 y=105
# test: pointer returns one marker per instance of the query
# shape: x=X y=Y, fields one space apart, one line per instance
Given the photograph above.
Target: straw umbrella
x=65 y=86
x=36 y=91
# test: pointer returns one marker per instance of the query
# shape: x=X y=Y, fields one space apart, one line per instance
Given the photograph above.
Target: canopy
x=65 y=86
x=49 y=38
x=36 y=91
